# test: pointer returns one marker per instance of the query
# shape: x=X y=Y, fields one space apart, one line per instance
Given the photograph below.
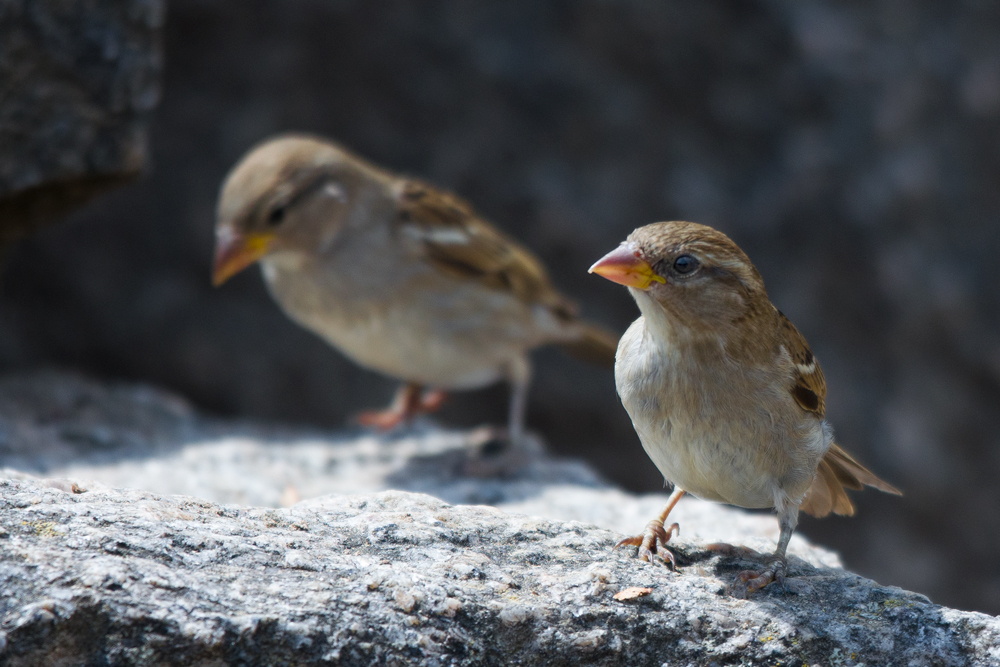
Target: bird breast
x=718 y=429
x=403 y=319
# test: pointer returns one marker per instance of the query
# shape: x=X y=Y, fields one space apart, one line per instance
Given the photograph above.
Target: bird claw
x=652 y=542
x=666 y=554
x=493 y=453
x=382 y=420
x=748 y=582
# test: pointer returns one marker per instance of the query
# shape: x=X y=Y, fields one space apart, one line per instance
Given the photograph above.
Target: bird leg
x=410 y=401
x=518 y=407
x=654 y=538
x=775 y=565
x=508 y=450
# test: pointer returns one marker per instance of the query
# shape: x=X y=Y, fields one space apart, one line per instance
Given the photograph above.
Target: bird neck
x=740 y=341
x=664 y=328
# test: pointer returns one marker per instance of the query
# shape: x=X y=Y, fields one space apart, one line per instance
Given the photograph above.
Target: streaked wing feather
x=838 y=470
x=460 y=243
x=808 y=386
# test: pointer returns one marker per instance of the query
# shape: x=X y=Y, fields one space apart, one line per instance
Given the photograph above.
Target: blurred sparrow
x=400 y=277
x=723 y=391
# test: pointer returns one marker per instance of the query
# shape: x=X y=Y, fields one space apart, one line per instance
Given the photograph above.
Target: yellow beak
x=235 y=252
x=624 y=265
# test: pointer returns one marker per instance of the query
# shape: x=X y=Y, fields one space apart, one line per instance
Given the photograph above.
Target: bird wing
x=808 y=384
x=458 y=242
x=837 y=470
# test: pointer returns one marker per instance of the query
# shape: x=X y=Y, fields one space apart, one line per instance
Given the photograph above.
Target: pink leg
x=654 y=538
x=410 y=401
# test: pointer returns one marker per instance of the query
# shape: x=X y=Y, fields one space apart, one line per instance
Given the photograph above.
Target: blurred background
x=851 y=148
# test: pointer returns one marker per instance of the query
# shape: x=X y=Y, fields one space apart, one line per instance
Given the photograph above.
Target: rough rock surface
x=60 y=426
x=78 y=82
x=97 y=575
x=131 y=578
x=849 y=146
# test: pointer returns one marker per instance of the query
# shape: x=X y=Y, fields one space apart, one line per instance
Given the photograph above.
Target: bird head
x=695 y=274
x=290 y=193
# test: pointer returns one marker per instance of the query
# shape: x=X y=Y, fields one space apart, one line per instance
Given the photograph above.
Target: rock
x=79 y=80
x=125 y=577
x=849 y=147
x=94 y=574
x=72 y=430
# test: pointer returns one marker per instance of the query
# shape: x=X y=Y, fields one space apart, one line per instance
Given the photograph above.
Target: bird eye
x=685 y=264
x=276 y=216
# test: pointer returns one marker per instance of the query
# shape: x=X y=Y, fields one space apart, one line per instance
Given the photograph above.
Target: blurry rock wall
x=77 y=80
x=851 y=148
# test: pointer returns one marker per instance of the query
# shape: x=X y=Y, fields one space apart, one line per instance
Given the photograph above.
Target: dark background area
x=851 y=148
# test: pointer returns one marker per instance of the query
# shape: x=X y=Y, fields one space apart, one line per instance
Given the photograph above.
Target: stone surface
x=60 y=426
x=78 y=82
x=131 y=578
x=848 y=146
x=94 y=574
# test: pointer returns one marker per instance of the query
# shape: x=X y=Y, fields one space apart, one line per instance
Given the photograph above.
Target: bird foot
x=431 y=401
x=382 y=420
x=495 y=454
x=748 y=582
x=409 y=402
x=652 y=542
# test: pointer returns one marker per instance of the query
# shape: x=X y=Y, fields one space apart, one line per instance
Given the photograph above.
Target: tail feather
x=838 y=470
x=595 y=345
x=846 y=465
x=818 y=500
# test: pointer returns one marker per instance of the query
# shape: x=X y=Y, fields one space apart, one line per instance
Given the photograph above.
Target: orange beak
x=624 y=265
x=235 y=252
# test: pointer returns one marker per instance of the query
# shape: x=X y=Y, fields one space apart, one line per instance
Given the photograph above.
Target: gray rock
x=849 y=147
x=100 y=436
x=93 y=574
x=78 y=81
x=120 y=577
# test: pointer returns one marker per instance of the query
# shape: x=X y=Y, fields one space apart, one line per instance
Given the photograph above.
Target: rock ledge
x=123 y=577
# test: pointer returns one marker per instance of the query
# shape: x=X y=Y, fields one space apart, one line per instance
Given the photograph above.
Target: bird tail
x=839 y=470
x=595 y=345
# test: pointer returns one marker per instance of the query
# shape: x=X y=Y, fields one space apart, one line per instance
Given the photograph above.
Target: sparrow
x=400 y=277
x=722 y=389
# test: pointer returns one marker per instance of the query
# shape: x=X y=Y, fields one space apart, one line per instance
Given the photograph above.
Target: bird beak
x=235 y=252
x=624 y=265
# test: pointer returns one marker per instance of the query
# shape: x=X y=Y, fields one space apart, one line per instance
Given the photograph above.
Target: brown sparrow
x=723 y=391
x=400 y=277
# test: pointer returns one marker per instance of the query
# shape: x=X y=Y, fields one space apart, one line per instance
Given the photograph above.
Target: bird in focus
x=723 y=391
x=402 y=278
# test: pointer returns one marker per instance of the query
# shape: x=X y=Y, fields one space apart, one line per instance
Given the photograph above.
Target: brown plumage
x=837 y=469
x=401 y=277
x=725 y=394
x=493 y=259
